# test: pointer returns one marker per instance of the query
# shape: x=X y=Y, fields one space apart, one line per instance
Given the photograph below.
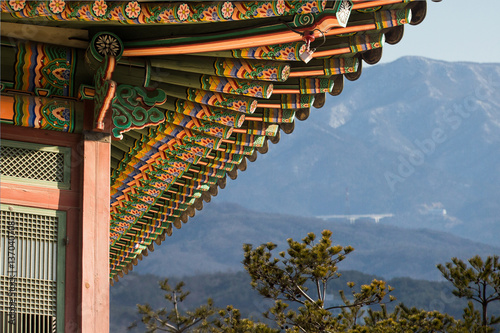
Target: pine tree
x=478 y=281
x=300 y=277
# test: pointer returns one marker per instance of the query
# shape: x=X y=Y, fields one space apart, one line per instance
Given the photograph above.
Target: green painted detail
x=292 y=8
x=285 y=52
x=191 y=148
x=58 y=114
x=216 y=115
x=296 y=101
x=106 y=44
x=336 y=66
x=207 y=127
x=391 y=18
x=157 y=12
x=360 y=43
x=249 y=140
x=183 y=155
x=46 y=67
x=232 y=102
x=171 y=161
x=315 y=86
x=83 y=92
x=264 y=71
x=147 y=76
x=133 y=108
x=369 y=9
x=6 y=86
x=278 y=115
x=303 y=20
x=238 y=87
x=46 y=113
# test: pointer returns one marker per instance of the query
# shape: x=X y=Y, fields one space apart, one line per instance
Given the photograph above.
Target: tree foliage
x=478 y=281
x=173 y=320
x=301 y=276
x=230 y=321
x=404 y=319
x=298 y=280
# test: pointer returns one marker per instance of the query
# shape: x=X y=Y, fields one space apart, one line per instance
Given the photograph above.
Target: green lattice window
x=32 y=270
x=36 y=164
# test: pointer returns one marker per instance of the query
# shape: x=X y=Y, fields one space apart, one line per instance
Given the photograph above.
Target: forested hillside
x=234 y=289
x=212 y=242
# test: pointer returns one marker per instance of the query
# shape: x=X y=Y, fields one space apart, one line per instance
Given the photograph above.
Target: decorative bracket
x=104 y=91
x=133 y=108
x=343 y=11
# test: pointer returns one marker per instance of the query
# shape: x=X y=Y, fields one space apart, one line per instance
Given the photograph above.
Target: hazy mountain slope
x=407 y=138
x=212 y=241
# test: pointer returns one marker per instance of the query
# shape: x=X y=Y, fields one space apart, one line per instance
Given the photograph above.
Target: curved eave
x=227 y=97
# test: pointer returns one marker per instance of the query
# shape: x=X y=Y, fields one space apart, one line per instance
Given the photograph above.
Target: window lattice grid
x=33 y=296
x=32 y=164
x=30 y=226
x=34 y=240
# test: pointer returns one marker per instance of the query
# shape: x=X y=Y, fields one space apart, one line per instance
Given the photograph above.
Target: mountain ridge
x=408 y=134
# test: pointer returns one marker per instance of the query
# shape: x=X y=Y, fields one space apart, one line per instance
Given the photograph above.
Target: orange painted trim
x=285 y=91
x=355 y=28
x=307 y=73
x=106 y=105
x=253 y=118
x=110 y=94
x=7 y=107
x=240 y=130
x=272 y=106
x=333 y=52
x=282 y=37
x=367 y=4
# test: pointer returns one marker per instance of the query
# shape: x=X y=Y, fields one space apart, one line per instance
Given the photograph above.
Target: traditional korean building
x=119 y=119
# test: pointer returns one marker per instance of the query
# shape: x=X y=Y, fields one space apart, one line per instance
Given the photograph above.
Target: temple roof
x=198 y=89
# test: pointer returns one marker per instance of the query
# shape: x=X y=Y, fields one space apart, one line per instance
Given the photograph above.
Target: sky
x=453 y=30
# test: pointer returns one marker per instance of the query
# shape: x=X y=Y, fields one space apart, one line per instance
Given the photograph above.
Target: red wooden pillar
x=95 y=231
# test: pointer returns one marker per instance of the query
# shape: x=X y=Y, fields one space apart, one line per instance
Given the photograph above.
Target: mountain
x=212 y=242
x=417 y=138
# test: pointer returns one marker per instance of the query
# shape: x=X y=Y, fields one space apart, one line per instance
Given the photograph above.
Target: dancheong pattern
x=44 y=113
x=47 y=68
x=134 y=12
x=285 y=52
x=225 y=103
x=236 y=86
x=266 y=71
x=134 y=108
x=232 y=102
x=219 y=116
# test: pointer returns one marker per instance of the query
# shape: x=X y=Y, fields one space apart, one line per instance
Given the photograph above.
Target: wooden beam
x=95 y=233
x=77 y=38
